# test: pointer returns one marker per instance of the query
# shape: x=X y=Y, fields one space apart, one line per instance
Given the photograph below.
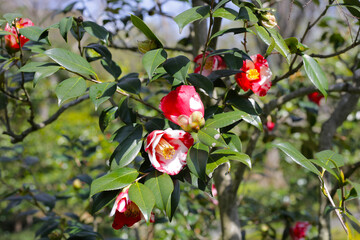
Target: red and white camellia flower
x=184 y=107
x=127 y=213
x=212 y=63
x=12 y=41
x=315 y=97
x=299 y=231
x=167 y=149
x=255 y=75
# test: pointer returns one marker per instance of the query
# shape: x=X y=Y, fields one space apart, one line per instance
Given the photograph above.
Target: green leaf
x=224 y=119
x=315 y=74
x=143 y=197
x=220 y=4
x=145 y=30
x=280 y=44
x=214 y=162
x=297 y=157
x=162 y=186
x=44 y=72
x=177 y=67
x=130 y=83
x=234 y=155
x=244 y=104
x=154 y=124
x=211 y=137
x=202 y=82
x=96 y=30
x=111 y=67
x=116 y=179
x=125 y=112
x=152 y=60
x=192 y=15
x=173 y=200
x=65 y=25
x=246 y=13
x=106 y=116
x=196 y=160
x=96 y=51
x=125 y=153
x=70 y=88
x=102 y=199
x=70 y=61
x=334 y=160
x=11 y=16
x=233 y=141
x=226 y=13
x=326 y=167
x=129 y=133
x=231 y=30
x=356 y=187
x=35 y=33
x=101 y=92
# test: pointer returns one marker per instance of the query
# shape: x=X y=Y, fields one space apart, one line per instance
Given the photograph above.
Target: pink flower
x=315 y=97
x=256 y=75
x=184 y=107
x=298 y=232
x=212 y=63
x=12 y=41
x=270 y=125
x=168 y=149
x=214 y=193
x=127 y=213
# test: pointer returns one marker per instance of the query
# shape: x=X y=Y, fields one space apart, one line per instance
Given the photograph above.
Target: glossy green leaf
x=102 y=199
x=211 y=137
x=202 y=82
x=130 y=83
x=173 y=201
x=116 y=179
x=214 y=162
x=162 y=186
x=226 y=13
x=191 y=15
x=246 y=13
x=101 y=92
x=230 y=30
x=325 y=167
x=145 y=30
x=177 y=67
x=125 y=153
x=356 y=187
x=143 y=197
x=334 y=160
x=234 y=155
x=233 y=141
x=315 y=74
x=152 y=60
x=125 y=112
x=128 y=133
x=70 y=61
x=65 y=25
x=70 y=88
x=96 y=30
x=253 y=120
x=220 y=4
x=297 y=157
x=154 y=124
x=196 y=160
x=44 y=72
x=106 y=116
x=10 y=17
x=228 y=118
x=111 y=67
x=35 y=33
x=99 y=51
x=280 y=44
x=244 y=104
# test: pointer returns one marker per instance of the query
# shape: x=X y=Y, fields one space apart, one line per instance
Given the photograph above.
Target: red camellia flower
x=298 y=232
x=270 y=125
x=315 y=97
x=212 y=63
x=184 y=107
x=127 y=213
x=168 y=149
x=255 y=75
x=12 y=41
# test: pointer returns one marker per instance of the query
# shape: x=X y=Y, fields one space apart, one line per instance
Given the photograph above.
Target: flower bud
x=147 y=45
x=269 y=20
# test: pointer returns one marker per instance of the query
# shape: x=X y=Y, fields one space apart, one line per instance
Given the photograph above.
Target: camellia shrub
x=183 y=119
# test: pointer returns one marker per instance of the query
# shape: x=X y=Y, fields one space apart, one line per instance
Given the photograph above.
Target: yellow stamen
x=252 y=74
x=208 y=64
x=165 y=149
x=132 y=210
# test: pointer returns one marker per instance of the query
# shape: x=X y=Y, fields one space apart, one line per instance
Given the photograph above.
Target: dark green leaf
x=116 y=179
x=145 y=30
x=162 y=186
x=152 y=60
x=96 y=30
x=231 y=30
x=173 y=200
x=129 y=133
x=192 y=15
x=130 y=83
x=297 y=157
x=125 y=153
x=214 y=162
x=70 y=61
x=202 y=82
x=246 y=13
x=70 y=88
x=233 y=141
x=101 y=51
x=111 y=67
x=177 y=67
x=247 y=105
x=196 y=160
x=102 y=199
x=280 y=44
x=220 y=4
x=106 y=116
x=315 y=74
x=125 y=112
x=211 y=137
x=65 y=25
x=155 y=124
x=234 y=155
x=143 y=197
x=101 y=92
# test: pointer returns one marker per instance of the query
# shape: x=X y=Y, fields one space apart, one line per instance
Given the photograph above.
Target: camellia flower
x=214 y=194
x=270 y=125
x=184 y=107
x=315 y=97
x=255 y=75
x=127 y=213
x=12 y=41
x=212 y=63
x=298 y=232
x=269 y=20
x=168 y=149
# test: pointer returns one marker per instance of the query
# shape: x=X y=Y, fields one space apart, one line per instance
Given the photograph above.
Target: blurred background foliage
x=58 y=163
